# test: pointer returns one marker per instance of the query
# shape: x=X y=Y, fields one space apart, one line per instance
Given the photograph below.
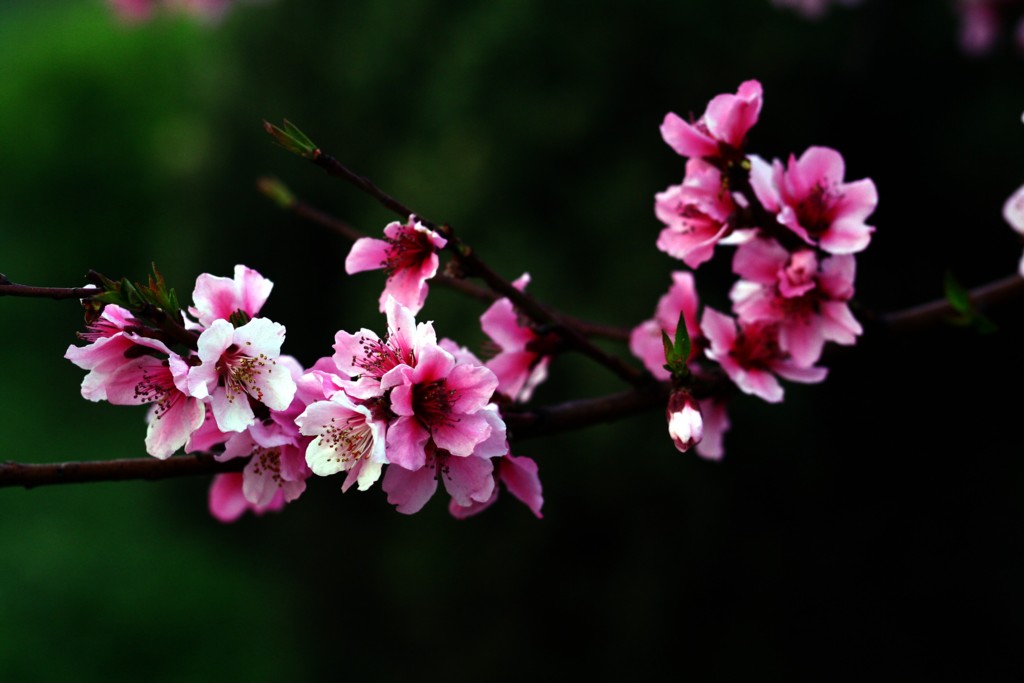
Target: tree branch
x=32 y=475
x=933 y=313
x=8 y=288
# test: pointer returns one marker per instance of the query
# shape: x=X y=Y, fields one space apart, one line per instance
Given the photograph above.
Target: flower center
x=268 y=460
x=408 y=250
x=433 y=403
x=351 y=439
x=377 y=357
x=157 y=386
x=756 y=345
x=816 y=209
x=241 y=373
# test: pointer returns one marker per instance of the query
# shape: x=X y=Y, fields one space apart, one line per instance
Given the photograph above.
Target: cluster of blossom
x=982 y=23
x=143 y=10
x=796 y=226
x=421 y=408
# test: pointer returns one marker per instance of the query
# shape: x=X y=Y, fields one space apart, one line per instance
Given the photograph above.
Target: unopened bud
x=685 y=425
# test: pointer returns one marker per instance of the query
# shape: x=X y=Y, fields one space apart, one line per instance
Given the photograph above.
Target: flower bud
x=685 y=425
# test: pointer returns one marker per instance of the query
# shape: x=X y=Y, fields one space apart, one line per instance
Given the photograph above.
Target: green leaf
x=276 y=191
x=957 y=295
x=682 y=348
x=292 y=139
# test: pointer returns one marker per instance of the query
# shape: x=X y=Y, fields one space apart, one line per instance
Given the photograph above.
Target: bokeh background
x=869 y=526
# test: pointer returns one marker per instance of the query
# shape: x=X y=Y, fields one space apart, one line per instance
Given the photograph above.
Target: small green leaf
x=276 y=191
x=682 y=348
x=292 y=139
x=957 y=295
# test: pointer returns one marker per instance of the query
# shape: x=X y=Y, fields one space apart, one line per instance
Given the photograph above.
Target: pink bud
x=685 y=425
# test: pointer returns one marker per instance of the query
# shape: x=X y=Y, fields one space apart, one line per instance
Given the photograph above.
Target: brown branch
x=33 y=475
x=8 y=288
x=578 y=414
x=933 y=313
x=527 y=424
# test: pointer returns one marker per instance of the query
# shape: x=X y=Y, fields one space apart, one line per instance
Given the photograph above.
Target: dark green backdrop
x=870 y=525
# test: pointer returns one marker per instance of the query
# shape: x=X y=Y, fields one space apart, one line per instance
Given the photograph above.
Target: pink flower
x=812 y=200
x=105 y=352
x=367 y=359
x=217 y=298
x=1013 y=212
x=409 y=255
x=519 y=475
x=276 y=466
x=696 y=213
x=275 y=448
x=227 y=501
x=722 y=128
x=468 y=480
x=443 y=402
x=346 y=438
x=808 y=302
x=521 y=364
x=238 y=363
x=645 y=339
x=752 y=357
x=685 y=426
x=160 y=379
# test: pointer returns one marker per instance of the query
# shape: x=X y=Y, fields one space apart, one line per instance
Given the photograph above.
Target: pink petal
x=1013 y=210
x=458 y=437
x=474 y=386
x=817 y=166
x=468 y=480
x=803 y=339
x=409 y=490
x=760 y=260
x=169 y=431
x=686 y=140
x=512 y=369
x=720 y=330
x=763 y=179
x=367 y=253
x=226 y=501
x=760 y=383
x=406 y=443
x=501 y=323
x=716 y=424
x=463 y=512
x=797 y=374
x=846 y=236
x=519 y=475
x=858 y=200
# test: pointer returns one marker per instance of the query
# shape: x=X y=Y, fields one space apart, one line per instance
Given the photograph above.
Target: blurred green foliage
x=532 y=127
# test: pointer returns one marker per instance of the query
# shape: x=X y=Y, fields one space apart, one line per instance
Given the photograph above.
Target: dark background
x=868 y=527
